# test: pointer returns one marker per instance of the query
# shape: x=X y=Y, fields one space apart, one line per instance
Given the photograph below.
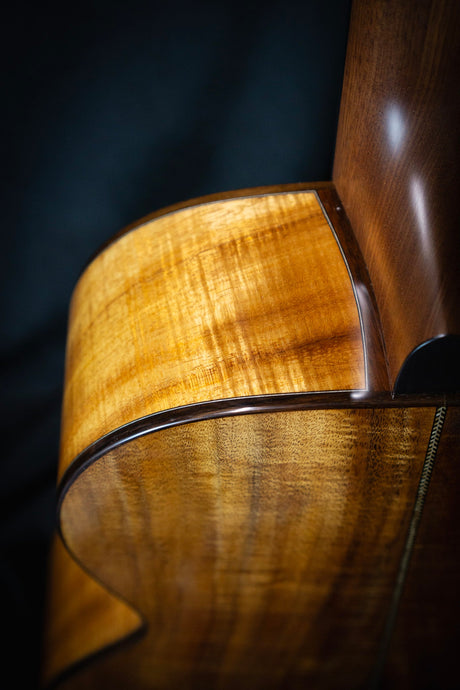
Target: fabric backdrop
x=112 y=110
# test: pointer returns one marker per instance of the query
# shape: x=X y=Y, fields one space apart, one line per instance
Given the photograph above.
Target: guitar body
x=247 y=450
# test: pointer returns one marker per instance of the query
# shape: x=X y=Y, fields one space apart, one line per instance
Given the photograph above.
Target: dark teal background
x=111 y=110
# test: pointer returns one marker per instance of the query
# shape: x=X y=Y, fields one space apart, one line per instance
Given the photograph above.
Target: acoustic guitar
x=259 y=472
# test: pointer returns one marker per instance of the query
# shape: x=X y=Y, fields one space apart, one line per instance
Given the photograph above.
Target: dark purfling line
x=435 y=436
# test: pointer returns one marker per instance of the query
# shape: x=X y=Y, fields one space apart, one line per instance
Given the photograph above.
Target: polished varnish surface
x=209 y=546
x=237 y=297
x=260 y=551
x=83 y=616
x=397 y=164
x=244 y=502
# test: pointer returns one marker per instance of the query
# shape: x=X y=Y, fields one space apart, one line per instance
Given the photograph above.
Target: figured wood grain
x=260 y=549
x=396 y=165
x=424 y=649
x=82 y=616
x=245 y=296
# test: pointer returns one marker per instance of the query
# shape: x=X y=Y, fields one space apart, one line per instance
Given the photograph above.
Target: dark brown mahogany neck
x=396 y=171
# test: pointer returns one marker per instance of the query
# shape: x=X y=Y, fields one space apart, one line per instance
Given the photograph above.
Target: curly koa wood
x=259 y=550
x=238 y=297
x=236 y=483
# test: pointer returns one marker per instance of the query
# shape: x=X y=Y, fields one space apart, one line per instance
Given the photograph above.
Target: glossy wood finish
x=397 y=164
x=376 y=364
x=261 y=550
x=424 y=649
x=268 y=550
x=209 y=198
x=83 y=616
x=245 y=296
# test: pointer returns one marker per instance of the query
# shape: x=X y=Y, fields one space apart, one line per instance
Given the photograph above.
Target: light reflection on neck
x=419 y=207
x=396 y=127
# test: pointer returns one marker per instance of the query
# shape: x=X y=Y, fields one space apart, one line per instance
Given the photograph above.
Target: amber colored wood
x=245 y=296
x=210 y=198
x=82 y=617
x=424 y=650
x=396 y=165
x=261 y=549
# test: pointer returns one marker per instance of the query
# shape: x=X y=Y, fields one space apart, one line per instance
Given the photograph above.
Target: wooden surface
x=267 y=550
x=397 y=165
x=376 y=362
x=83 y=617
x=244 y=296
x=261 y=550
x=424 y=649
